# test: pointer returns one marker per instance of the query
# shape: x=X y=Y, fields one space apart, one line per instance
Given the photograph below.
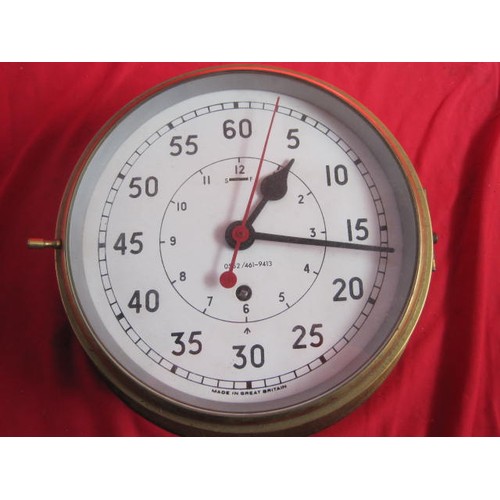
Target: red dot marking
x=228 y=279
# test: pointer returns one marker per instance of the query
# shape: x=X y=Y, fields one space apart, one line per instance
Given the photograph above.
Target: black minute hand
x=320 y=243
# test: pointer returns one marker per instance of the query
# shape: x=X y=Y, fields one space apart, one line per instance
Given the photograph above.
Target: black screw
x=243 y=292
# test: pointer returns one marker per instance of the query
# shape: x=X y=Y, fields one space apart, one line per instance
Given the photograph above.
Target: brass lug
x=38 y=243
x=435 y=239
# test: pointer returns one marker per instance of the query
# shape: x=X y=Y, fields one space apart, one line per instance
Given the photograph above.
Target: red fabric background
x=447 y=118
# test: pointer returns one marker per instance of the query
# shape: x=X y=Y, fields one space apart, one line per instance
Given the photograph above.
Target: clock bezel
x=303 y=418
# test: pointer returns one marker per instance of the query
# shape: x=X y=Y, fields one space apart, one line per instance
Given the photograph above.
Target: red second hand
x=240 y=233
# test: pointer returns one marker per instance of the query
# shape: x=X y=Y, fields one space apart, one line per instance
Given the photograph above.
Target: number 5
x=291 y=137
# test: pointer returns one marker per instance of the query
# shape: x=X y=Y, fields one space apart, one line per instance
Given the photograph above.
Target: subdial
x=202 y=219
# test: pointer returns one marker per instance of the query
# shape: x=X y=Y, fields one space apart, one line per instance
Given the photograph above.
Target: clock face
x=241 y=243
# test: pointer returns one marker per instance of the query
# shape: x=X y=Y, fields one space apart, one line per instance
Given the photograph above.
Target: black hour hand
x=272 y=188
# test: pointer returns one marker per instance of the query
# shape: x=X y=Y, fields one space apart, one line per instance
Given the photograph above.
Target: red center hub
x=240 y=233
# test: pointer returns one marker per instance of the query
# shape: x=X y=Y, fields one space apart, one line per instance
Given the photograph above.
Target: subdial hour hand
x=272 y=188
